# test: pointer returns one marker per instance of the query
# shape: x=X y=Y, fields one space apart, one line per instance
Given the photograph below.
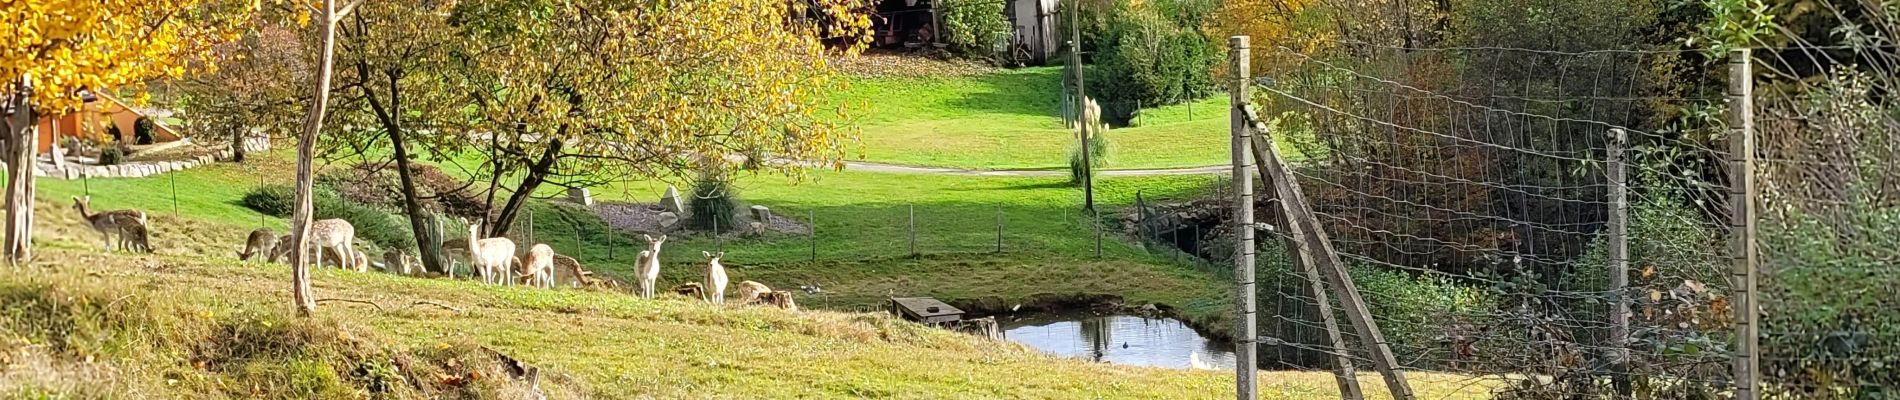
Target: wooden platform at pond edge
x=925 y=310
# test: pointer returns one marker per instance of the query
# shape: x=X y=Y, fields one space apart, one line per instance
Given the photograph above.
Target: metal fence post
x=999 y=229
x=1245 y=366
x=911 y=230
x=1741 y=162
x=174 y=179
x=811 y=219
x=1098 y=233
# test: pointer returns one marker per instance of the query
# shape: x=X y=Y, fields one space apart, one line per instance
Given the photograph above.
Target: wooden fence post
x=1344 y=374
x=1619 y=263
x=1320 y=249
x=1246 y=367
x=1741 y=160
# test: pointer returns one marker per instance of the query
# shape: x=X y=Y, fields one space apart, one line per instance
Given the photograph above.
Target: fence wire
x=1468 y=190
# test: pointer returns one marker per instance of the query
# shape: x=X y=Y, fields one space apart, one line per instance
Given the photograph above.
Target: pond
x=1118 y=339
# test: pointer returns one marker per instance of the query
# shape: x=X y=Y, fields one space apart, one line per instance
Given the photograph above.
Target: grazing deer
x=455 y=251
x=109 y=223
x=538 y=267
x=715 y=278
x=136 y=236
x=261 y=244
x=491 y=256
x=749 y=291
x=282 y=251
x=395 y=262
x=339 y=235
x=569 y=271
x=781 y=299
x=649 y=268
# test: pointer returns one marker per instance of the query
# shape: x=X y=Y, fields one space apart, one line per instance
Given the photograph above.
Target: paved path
x=905 y=169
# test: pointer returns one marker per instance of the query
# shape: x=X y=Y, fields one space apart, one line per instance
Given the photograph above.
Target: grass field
x=1011 y=119
x=80 y=324
x=863 y=248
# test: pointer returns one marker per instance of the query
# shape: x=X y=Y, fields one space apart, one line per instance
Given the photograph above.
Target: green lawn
x=1012 y=120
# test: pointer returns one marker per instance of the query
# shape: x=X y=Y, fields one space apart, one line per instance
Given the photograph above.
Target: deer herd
x=493 y=259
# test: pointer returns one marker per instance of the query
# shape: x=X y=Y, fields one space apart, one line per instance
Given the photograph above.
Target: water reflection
x=1119 y=339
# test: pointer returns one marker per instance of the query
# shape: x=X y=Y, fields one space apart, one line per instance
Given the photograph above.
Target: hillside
x=89 y=325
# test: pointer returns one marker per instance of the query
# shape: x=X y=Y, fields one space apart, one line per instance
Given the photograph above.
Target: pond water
x=1118 y=339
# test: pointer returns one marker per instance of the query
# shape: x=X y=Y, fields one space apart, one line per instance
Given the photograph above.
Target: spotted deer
x=110 y=223
x=649 y=268
x=339 y=235
x=261 y=244
x=715 y=278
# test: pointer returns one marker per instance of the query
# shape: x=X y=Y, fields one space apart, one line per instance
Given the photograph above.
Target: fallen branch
x=449 y=307
x=379 y=307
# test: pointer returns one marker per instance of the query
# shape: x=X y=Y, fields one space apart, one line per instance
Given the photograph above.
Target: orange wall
x=90 y=122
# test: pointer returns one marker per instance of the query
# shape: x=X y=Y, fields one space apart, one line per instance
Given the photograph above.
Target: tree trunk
x=537 y=174
x=306 y=151
x=22 y=139
x=428 y=246
x=238 y=134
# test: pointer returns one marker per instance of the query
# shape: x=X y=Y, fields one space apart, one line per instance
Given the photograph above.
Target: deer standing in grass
x=715 y=278
x=453 y=251
x=261 y=244
x=340 y=236
x=649 y=268
x=538 y=266
x=109 y=223
x=490 y=256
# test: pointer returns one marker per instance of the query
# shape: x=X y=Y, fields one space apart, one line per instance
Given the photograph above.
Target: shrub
x=372 y=224
x=1098 y=157
x=143 y=130
x=112 y=132
x=714 y=201
x=1147 y=58
x=975 y=27
x=111 y=155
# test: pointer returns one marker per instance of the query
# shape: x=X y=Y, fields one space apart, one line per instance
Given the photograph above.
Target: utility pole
x=1081 y=103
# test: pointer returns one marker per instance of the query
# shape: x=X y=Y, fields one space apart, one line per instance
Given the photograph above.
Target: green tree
x=577 y=93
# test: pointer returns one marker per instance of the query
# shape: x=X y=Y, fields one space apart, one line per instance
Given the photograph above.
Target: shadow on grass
x=1034 y=91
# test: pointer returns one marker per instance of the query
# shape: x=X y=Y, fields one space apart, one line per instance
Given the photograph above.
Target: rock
x=762 y=214
x=667 y=220
x=671 y=200
x=580 y=196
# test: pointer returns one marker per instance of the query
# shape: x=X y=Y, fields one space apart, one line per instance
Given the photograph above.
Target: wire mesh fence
x=1470 y=191
x=1552 y=224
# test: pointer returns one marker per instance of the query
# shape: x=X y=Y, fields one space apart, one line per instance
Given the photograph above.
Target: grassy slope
x=176 y=326
x=1010 y=120
x=862 y=246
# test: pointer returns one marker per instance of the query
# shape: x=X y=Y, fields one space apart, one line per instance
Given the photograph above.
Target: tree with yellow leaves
x=52 y=51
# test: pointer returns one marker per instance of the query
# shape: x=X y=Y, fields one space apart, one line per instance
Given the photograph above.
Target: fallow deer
x=491 y=256
x=261 y=244
x=538 y=266
x=649 y=268
x=715 y=278
x=109 y=223
x=749 y=291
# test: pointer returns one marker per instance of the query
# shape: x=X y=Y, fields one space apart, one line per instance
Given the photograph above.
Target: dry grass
x=175 y=325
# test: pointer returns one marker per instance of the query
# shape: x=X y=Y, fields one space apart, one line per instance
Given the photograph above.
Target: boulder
x=762 y=214
x=671 y=200
x=666 y=220
x=580 y=196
